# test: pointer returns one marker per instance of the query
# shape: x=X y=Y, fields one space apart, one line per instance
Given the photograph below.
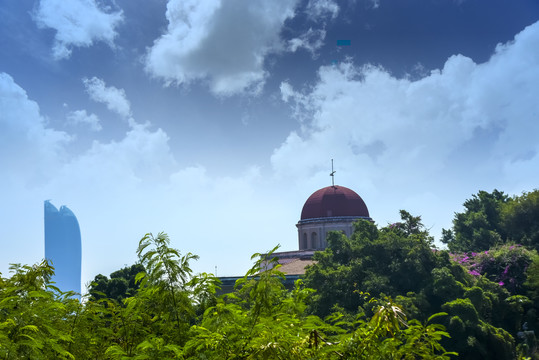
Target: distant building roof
x=334 y=201
x=296 y=266
x=293 y=263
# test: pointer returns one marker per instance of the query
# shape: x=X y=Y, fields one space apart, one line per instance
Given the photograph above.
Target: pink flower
x=501 y=283
x=474 y=272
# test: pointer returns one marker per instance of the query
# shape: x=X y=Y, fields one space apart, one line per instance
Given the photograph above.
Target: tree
x=492 y=219
x=166 y=280
x=34 y=315
x=479 y=227
x=261 y=320
x=120 y=286
x=176 y=315
x=520 y=219
x=398 y=261
x=394 y=260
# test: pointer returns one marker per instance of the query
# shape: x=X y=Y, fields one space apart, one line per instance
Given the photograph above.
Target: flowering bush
x=505 y=265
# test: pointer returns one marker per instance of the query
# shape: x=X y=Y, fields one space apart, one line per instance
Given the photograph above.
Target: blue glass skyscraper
x=63 y=246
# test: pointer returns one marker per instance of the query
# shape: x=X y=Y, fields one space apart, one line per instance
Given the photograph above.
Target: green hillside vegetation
x=383 y=293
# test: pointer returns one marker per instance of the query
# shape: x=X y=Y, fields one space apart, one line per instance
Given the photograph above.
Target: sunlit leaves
x=176 y=315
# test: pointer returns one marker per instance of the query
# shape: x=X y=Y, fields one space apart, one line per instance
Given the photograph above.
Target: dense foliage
x=492 y=219
x=383 y=293
x=175 y=315
x=121 y=284
x=490 y=296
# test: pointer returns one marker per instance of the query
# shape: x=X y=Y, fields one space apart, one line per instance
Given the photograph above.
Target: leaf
x=175 y=349
x=115 y=351
x=145 y=345
x=7 y=300
x=433 y=316
x=38 y=294
x=141 y=275
x=31 y=328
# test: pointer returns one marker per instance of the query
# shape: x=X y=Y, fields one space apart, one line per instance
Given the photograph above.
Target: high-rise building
x=63 y=246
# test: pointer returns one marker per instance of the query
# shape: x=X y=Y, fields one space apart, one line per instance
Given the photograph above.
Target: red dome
x=333 y=201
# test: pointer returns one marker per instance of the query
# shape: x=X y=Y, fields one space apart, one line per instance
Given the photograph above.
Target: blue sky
x=214 y=121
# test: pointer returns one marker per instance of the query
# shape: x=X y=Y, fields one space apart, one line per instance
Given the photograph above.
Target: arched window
x=305 y=244
x=314 y=241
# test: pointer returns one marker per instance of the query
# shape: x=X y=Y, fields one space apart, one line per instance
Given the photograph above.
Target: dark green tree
x=532 y=280
x=394 y=260
x=120 y=286
x=492 y=219
x=398 y=260
x=520 y=219
x=479 y=227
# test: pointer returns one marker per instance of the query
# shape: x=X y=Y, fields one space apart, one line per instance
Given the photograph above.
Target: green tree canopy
x=520 y=219
x=259 y=320
x=479 y=227
x=399 y=260
x=121 y=284
x=492 y=219
x=394 y=260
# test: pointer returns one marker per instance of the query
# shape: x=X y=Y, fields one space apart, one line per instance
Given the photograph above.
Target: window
x=314 y=241
x=304 y=243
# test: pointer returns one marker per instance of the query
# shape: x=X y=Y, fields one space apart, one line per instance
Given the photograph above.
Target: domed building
x=333 y=208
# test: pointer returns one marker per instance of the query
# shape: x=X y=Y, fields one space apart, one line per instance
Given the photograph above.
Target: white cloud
x=25 y=137
x=114 y=98
x=465 y=127
x=78 y=23
x=286 y=91
x=205 y=41
x=312 y=40
x=121 y=189
x=299 y=104
x=82 y=117
x=321 y=8
x=31 y=153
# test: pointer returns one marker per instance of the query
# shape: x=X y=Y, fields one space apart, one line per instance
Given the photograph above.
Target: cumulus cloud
x=25 y=136
x=123 y=188
x=112 y=97
x=31 y=154
x=78 y=23
x=465 y=127
x=82 y=117
x=205 y=41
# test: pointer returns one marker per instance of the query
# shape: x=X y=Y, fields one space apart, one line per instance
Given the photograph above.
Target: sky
x=214 y=121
